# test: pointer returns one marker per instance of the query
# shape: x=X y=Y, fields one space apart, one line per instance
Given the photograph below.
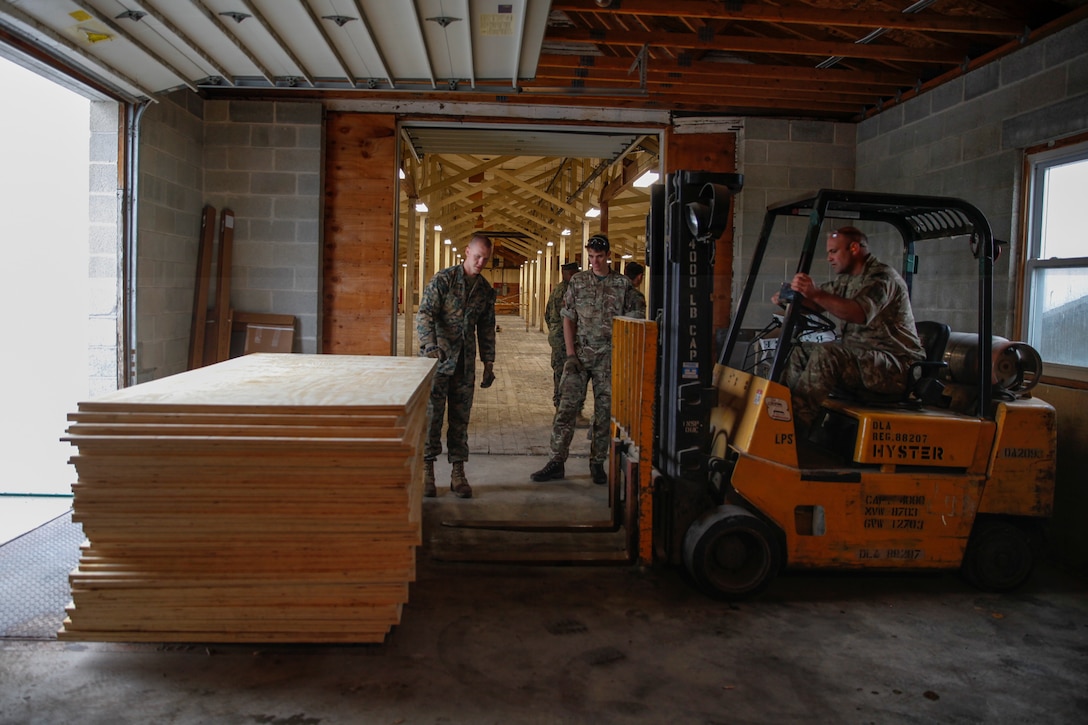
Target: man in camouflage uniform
x=879 y=340
x=554 y=319
x=457 y=308
x=592 y=299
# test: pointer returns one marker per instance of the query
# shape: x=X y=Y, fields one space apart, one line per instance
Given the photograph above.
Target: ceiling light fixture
x=421 y=207
x=593 y=213
x=565 y=233
x=340 y=20
x=648 y=177
x=438 y=227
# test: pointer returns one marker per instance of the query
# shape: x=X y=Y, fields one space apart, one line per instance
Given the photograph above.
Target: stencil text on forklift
x=889 y=444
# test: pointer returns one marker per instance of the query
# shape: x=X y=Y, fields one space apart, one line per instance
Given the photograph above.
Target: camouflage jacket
x=455 y=311
x=553 y=315
x=592 y=302
x=889 y=321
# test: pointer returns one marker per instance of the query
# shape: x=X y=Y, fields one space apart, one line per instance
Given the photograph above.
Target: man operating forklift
x=879 y=340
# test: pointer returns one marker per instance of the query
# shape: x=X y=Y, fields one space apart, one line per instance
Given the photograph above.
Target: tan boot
x=458 y=482
x=428 y=479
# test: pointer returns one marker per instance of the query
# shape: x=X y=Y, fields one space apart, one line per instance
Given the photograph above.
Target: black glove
x=434 y=351
x=489 y=375
x=573 y=366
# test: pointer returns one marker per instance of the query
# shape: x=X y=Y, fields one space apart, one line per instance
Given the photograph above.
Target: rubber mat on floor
x=34 y=579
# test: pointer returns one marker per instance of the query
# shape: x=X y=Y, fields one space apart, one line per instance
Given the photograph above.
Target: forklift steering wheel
x=809 y=320
x=812 y=321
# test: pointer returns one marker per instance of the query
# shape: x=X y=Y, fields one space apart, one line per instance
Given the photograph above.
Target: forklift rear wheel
x=730 y=553
x=999 y=556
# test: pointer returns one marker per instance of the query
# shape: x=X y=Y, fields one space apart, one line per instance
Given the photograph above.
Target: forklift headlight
x=707 y=216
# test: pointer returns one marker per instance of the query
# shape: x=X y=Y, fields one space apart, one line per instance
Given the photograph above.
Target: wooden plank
x=201 y=288
x=269 y=498
x=222 y=285
x=268 y=383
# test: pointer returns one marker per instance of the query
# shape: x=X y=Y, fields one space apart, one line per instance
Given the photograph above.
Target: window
x=1056 y=269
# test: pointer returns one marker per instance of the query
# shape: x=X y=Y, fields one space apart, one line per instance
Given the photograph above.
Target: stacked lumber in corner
x=267 y=498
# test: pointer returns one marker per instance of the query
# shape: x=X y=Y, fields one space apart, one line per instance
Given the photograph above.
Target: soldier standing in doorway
x=592 y=299
x=457 y=308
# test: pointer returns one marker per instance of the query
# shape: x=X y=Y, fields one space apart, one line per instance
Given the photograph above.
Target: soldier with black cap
x=554 y=319
x=593 y=297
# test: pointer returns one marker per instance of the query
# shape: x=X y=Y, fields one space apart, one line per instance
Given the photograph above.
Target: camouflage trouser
x=816 y=368
x=457 y=390
x=559 y=358
x=572 y=390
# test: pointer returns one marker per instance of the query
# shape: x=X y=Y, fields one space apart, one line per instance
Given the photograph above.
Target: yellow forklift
x=707 y=471
x=953 y=474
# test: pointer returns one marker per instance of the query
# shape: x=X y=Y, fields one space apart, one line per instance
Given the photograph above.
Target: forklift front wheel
x=730 y=553
x=999 y=556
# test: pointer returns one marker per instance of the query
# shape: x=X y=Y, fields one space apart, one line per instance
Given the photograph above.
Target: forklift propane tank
x=1016 y=366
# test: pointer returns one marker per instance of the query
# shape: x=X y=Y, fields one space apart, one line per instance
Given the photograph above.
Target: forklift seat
x=924 y=378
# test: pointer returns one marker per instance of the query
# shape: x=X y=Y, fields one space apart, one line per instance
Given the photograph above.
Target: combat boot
x=458 y=482
x=428 y=479
x=597 y=471
x=552 y=471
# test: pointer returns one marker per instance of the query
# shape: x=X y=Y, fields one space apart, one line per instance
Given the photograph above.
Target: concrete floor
x=482 y=643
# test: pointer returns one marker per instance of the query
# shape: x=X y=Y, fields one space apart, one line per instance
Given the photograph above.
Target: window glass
x=1060 y=309
x=1063 y=232
x=1056 y=270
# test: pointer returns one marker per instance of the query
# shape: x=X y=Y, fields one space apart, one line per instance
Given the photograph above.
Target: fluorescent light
x=565 y=233
x=648 y=177
x=402 y=173
x=626 y=256
x=421 y=207
x=438 y=227
x=447 y=241
x=404 y=265
x=540 y=251
x=593 y=213
x=551 y=244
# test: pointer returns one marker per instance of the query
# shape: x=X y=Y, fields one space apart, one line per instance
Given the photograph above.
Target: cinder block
x=299 y=113
x=981 y=81
x=1024 y=63
x=273 y=183
x=297 y=160
x=252 y=111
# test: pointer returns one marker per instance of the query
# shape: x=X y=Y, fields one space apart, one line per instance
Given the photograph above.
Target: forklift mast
x=687 y=214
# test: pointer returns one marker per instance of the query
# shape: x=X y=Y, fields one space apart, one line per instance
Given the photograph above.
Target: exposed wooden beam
x=800 y=14
x=660 y=84
x=829 y=76
x=735 y=44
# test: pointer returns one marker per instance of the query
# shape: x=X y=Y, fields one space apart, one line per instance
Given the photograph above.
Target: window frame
x=1036 y=161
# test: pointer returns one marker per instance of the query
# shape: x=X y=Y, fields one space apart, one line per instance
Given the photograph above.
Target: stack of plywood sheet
x=268 y=498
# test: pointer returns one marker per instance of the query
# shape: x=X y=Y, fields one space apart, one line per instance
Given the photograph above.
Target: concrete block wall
x=783 y=160
x=104 y=273
x=966 y=139
x=168 y=223
x=263 y=161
